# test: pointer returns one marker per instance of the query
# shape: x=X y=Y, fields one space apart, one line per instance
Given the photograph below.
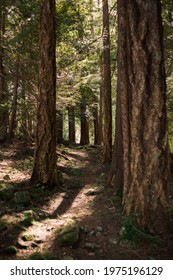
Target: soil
x=82 y=198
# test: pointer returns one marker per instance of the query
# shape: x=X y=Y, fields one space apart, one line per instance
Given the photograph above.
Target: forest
x=86 y=129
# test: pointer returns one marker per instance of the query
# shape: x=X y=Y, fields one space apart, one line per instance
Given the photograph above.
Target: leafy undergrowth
x=80 y=219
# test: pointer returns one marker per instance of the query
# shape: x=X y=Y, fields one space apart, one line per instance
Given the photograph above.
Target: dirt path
x=81 y=199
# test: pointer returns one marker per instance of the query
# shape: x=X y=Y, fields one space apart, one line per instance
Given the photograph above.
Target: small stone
x=91 y=193
x=91 y=233
x=99 y=228
x=98 y=234
x=84 y=229
x=68 y=258
x=91 y=254
x=113 y=241
x=91 y=246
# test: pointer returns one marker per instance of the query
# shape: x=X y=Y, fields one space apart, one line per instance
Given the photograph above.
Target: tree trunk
x=84 y=140
x=107 y=101
x=3 y=97
x=14 y=103
x=101 y=102
x=115 y=177
x=96 y=122
x=144 y=126
x=71 y=124
x=45 y=169
x=59 y=121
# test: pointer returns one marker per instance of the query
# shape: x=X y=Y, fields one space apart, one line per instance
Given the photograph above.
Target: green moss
x=29 y=218
x=11 y=250
x=42 y=256
x=69 y=235
x=3 y=225
x=26 y=237
x=6 y=192
x=27 y=222
x=23 y=198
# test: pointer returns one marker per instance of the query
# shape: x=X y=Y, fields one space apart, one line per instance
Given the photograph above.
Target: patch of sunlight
x=79 y=207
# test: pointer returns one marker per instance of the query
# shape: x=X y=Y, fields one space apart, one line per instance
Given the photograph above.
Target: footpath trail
x=82 y=207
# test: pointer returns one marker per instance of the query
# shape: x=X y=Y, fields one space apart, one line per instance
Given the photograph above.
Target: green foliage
x=6 y=191
x=42 y=256
x=29 y=218
x=116 y=199
x=26 y=237
x=130 y=232
x=68 y=19
x=28 y=163
x=11 y=250
x=3 y=225
x=69 y=235
x=27 y=222
x=22 y=198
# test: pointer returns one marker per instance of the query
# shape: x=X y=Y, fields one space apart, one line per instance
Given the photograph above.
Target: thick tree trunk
x=45 y=169
x=144 y=127
x=14 y=103
x=3 y=97
x=59 y=121
x=96 y=122
x=107 y=101
x=71 y=124
x=84 y=140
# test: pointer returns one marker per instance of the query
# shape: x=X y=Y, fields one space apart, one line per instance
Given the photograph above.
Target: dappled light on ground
x=82 y=202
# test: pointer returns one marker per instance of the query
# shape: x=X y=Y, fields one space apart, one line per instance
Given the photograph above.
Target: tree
x=14 y=102
x=107 y=101
x=115 y=176
x=45 y=169
x=144 y=124
x=71 y=123
x=59 y=123
x=96 y=121
x=84 y=126
x=3 y=97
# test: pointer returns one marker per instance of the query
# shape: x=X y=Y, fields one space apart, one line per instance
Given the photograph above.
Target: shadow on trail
x=76 y=180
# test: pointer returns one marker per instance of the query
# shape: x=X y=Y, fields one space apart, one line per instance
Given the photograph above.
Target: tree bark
x=84 y=140
x=144 y=124
x=59 y=120
x=14 y=103
x=101 y=101
x=107 y=101
x=71 y=124
x=3 y=97
x=96 y=122
x=115 y=177
x=45 y=169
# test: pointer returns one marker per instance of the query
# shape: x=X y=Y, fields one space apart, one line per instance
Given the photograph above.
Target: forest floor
x=79 y=220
